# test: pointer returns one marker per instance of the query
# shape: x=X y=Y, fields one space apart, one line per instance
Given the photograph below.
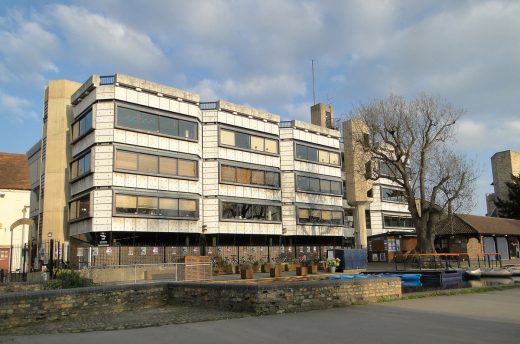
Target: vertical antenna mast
x=313 y=89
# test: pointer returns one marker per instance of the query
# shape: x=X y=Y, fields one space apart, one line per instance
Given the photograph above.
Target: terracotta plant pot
x=276 y=271
x=246 y=273
x=301 y=271
x=313 y=269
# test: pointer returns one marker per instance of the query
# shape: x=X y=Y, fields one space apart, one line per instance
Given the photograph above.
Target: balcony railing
x=107 y=80
x=208 y=106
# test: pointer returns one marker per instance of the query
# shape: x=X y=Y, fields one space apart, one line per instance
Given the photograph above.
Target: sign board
x=102 y=239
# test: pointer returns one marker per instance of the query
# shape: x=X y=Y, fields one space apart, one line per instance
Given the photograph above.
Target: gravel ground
x=134 y=319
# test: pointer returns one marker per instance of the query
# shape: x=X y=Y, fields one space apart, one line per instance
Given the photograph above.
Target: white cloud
x=15 y=108
x=27 y=51
x=97 y=40
x=479 y=135
x=299 y=111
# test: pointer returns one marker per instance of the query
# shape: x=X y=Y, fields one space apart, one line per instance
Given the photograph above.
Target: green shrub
x=67 y=278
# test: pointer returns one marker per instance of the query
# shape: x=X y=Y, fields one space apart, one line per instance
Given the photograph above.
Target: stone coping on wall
x=14 y=296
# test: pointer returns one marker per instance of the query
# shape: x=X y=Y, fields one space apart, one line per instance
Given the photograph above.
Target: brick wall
x=285 y=297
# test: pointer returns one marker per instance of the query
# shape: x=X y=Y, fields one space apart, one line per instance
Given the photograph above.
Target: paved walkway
x=471 y=318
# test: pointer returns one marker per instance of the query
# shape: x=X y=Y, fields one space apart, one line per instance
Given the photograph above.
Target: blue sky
x=259 y=53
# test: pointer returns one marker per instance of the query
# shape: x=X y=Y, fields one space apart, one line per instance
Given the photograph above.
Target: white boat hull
x=496 y=273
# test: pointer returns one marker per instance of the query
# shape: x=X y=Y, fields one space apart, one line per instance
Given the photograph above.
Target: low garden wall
x=278 y=297
x=24 y=308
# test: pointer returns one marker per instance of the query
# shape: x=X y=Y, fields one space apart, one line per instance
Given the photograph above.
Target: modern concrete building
x=503 y=165
x=14 y=205
x=141 y=163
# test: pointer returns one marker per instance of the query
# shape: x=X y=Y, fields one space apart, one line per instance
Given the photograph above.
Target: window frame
x=77 y=201
x=250 y=184
x=257 y=204
x=77 y=121
x=250 y=134
x=383 y=187
x=320 y=219
x=399 y=218
x=318 y=149
x=158 y=156
x=315 y=177
x=77 y=159
x=157 y=215
x=158 y=113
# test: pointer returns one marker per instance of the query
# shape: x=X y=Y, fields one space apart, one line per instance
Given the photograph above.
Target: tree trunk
x=425 y=238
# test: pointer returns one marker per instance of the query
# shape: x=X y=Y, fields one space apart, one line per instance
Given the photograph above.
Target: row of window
x=252 y=212
x=82 y=126
x=140 y=120
x=310 y=184
x=317 y=155
x=240 y=175
x=153 y=164
x=79 y=208
x=80 y=167
x=397 y=221
x=393 y=195
x=317 y=216
x=248 y=141
x=156 y=206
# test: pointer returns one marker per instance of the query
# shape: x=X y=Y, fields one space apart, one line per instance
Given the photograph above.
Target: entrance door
x=489 y=246
x=503 y=248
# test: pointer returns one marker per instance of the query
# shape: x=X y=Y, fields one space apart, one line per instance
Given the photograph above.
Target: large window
x=152 y=164
x=79 y=208
x=140 y=120
x=397 y=221
x=393 y=195
x=80 y=166
x=82 y=126
x=242 y=175
x=317 y=155
x=316 y=185
x=151 y=206
x=250 y=212
x=248 y=141
x=317 y=216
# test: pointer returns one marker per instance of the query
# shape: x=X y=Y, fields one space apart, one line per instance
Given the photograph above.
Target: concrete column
x=360 y=226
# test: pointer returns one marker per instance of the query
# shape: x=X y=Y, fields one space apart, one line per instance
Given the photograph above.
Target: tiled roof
x=14 y=172
x=472 y=224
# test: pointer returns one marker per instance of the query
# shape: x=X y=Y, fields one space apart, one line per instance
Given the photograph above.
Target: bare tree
x=411 y=144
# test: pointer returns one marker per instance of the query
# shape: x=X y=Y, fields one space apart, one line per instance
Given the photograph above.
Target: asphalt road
x=492 y=317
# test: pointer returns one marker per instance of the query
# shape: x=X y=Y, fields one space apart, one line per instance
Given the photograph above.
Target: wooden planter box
x=237 y=269
x=229 y=269
x=256 y=268
x=291 y=267
x=313 y=269
x=246 y=274
x=266 y=267
x=276 y=271
x=301 y=271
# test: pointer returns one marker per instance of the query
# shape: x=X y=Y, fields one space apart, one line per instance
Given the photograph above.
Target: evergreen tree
x=510 y=208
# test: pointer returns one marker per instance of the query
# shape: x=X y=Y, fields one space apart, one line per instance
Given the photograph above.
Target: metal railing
x=208 y=106
x=173 y=272
x=286 y=124
x=107 y=80
x=446 y=260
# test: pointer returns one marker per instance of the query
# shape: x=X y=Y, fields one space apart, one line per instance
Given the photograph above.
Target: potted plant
x=246 y=271
x=266 y=266
x=333 y=263
x=312 y=266
x=228 y=268
x=276 y=270
x=256 y=266
x=293 y=263
x=301 y=270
